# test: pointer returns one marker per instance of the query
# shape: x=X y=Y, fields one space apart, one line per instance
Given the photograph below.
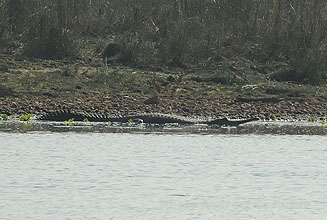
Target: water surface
x=259 y=127
x=51 y=175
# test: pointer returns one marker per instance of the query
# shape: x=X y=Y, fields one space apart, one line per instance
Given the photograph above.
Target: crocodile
x=149 y=118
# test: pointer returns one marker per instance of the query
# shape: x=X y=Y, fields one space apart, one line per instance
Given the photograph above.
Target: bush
x=49 y=43
x=175 y=32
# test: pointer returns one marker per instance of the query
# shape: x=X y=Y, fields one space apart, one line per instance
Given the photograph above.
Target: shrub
x=176 y=32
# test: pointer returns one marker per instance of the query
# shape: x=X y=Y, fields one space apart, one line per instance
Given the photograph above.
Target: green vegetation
x=199 y=57
x=175 y=33
x=312 y=119
x=25 y=117
x=69 y=122
x=4 y=117
x=26 y=121
x=315 y=120
x=273 y=116
x=85 y=120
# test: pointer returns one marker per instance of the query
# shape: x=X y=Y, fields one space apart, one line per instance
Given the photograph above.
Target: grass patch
x=124 y=79
x=179 y=33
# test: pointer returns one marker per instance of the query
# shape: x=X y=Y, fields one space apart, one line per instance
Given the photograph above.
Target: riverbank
x=235 y=89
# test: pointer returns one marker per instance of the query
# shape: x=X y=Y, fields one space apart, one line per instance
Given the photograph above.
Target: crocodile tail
x=227 y=122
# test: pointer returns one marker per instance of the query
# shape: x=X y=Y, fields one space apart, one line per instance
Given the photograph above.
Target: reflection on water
x=281 y=128
x=70 y=175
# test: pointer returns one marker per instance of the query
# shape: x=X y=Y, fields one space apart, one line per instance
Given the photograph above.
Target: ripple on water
x=162 y=176
x=263 y=127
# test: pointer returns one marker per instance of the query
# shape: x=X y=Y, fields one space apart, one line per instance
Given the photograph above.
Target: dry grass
x=175 y=32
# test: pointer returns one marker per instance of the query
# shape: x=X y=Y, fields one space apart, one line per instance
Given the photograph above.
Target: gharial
x=150 y=118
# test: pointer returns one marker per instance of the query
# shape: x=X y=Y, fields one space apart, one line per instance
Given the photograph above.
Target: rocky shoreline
x=274 y=109
x=40 y=86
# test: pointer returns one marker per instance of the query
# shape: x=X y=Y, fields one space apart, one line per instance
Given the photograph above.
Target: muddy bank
x=39 y=86
x=195 y=107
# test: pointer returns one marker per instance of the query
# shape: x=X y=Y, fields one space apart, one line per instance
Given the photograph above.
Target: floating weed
x=25 y=117
x=323 y=122
x=69 y=122
x=109 y=123
x=85 y=120
x=312 y=119
x=130 y=121
x=273 y=116
x=4 y=117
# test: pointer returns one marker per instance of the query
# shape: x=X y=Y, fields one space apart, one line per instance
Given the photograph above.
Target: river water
x=160 y=175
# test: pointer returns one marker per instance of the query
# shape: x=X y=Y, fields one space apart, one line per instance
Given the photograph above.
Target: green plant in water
x=4 y=117
x=69 y=122
x=312 y=119
x=25 y=117
x=85 y=120
x=109 y=123
x=273 y=116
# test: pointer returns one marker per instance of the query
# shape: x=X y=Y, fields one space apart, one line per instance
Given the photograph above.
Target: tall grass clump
x=176 y=32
